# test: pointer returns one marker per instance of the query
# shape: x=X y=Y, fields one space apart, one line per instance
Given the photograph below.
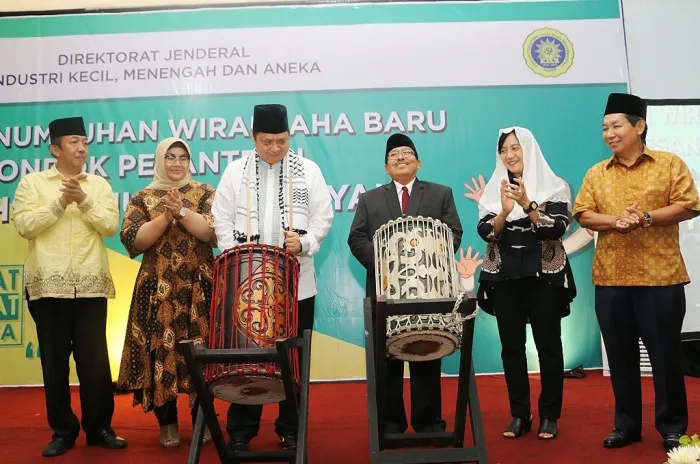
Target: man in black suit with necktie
x=404 y=196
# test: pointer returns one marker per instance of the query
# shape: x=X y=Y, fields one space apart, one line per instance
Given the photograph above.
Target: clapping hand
x=629 y=219
x=633 y=210
x=507 y=202
x=518 y=192
x=173 y=202
x=72 y=192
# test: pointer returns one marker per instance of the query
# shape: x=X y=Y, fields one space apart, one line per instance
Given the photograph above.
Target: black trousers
x=656 y=315
x=244 y=420
x=515 y=302
x=167 y=414
x=426 y=396
x=77 y=326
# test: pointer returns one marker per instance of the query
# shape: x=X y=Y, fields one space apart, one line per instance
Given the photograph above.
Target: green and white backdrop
x=448 y=74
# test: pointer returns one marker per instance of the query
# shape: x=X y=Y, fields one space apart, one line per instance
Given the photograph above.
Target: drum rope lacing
x=450 y=321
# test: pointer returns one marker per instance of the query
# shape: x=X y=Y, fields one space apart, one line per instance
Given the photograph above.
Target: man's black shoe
x=289 y=441
x=107 y=439
x=671 y=440
x=57 y=447
x=239 y=443
x=620 y=438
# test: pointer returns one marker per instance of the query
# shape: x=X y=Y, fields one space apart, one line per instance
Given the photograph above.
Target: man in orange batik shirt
x=635 y=201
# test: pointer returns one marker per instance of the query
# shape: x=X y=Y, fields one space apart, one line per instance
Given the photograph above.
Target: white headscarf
x=541 y=184
x=161 y=181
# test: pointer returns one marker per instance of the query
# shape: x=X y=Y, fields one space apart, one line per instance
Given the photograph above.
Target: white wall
x=663 y=43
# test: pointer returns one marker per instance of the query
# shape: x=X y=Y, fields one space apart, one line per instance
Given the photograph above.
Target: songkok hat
x=270 y=119
x=398 y=140
x=626 y=104
x=67 y=126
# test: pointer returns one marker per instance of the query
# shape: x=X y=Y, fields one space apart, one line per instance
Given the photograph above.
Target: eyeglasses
x=172 y=159
x=514 y=148
x=406 y=154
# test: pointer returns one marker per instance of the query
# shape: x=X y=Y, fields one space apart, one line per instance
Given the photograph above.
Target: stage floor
x=338 y=431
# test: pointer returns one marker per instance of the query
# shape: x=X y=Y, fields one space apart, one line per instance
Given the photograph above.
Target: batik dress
x=171 y=298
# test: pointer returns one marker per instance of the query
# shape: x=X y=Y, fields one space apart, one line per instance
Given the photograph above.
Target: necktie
x=404 y=200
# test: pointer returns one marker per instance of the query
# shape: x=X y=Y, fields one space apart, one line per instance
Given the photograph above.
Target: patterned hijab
x=161 y=181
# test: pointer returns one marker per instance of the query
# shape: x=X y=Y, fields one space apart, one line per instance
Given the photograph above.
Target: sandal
x=518 y=428
x=549 y=427
x=206 y=436
x=169 y=436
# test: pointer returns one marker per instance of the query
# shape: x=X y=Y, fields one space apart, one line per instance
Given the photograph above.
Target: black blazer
x=378 y=206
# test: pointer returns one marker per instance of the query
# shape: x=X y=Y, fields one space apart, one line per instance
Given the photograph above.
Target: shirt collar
x=270 y=167
x=53 y=172
x=400 y=186
x=647 y=154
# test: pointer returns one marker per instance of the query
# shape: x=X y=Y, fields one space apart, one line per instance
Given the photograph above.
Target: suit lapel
x=392 y=200
x=414 y=199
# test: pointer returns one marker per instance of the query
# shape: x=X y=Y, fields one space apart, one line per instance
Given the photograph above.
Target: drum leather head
x=248 y=389
x=423 y=345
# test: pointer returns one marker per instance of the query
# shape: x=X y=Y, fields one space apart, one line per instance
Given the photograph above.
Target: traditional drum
x=414 y=259
x=254 y=303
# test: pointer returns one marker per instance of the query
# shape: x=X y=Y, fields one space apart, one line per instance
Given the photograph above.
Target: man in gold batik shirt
x=635 y=200
x=64 y=213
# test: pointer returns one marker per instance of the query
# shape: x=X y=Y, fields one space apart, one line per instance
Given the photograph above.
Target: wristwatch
x=531 y=207
x=647 y=220
x=182 y=213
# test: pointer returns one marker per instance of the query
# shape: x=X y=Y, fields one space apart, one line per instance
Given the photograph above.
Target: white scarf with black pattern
x=300 y=197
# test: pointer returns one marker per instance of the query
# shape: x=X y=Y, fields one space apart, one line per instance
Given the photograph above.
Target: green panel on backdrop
x=464 y=149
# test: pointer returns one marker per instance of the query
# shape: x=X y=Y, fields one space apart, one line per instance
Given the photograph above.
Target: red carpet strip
x=338 y=431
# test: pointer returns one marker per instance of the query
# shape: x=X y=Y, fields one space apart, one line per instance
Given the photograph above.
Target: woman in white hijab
x=526 y=277
x=170 y=222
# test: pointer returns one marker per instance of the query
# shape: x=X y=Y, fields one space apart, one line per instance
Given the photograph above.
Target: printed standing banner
x=449 y=75
x=676 y=128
